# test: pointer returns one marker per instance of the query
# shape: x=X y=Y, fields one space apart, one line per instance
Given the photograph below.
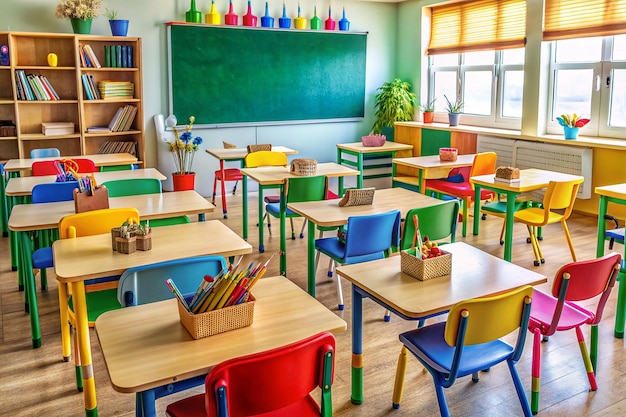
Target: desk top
x=146 y=346
x=26 y=217
x=387 y=147
x=278 y=175
x=100 y=159
x=234 y=154
x=433 y=161
x=617 y=191
x=474 y=274
x=22 y=186
x=328 y=212
x=92 y=257
x=530 y=180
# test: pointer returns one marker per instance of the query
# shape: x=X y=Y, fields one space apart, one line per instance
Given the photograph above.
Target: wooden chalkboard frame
x=275 y=77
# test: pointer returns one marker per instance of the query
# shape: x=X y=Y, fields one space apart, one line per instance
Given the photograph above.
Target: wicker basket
x=448 y=154
x=228 y=145
x=304 y=167
x=217 y=321
x=259 y=147
x=357 y=197
x=424 y=269
x=373 y=140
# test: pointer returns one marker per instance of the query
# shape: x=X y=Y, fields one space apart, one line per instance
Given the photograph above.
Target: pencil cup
x=217 y=321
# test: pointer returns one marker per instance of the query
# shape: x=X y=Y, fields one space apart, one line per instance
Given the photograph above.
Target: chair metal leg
x=235 y=187
x=569 y=240
x=302 y=229
x=519 y=388
x=398 y=386
x=535 y=371
x=339 y=293
x=588 y=367
x=214 y=190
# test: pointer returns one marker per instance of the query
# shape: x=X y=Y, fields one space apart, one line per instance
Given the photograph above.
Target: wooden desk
x=327 y=213
x=474 y=274
x=76 y=260
x=276 y=177
x=238 y=154
x=26 y=218
x=23 y=186
x=531 y=180
x=100 y=159
x=428 y=167
x=615 y=194
x=146 y=347
x=357 y=150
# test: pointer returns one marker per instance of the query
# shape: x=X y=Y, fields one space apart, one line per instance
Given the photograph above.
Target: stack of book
x=33 y=87
x=121 y=122
x=57 y=128
x=88 y=58
x=118 y=56
x=89 y=85
x=116 y=89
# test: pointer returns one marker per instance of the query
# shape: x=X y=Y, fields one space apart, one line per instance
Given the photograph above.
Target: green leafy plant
x=111 y=14
x=430 y=106
x=454 y=107
x=395 y=102
x=78 y=9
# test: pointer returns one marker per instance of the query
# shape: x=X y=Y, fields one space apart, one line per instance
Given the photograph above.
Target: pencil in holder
x=425 y=269
x=217 y=321
x=99 y=199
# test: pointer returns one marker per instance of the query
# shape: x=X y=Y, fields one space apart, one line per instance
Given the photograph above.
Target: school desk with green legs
x=615 y=194
x=276 y=177
x=358 y=151
x=27 y=218
x=87 y=257
x=428 y=167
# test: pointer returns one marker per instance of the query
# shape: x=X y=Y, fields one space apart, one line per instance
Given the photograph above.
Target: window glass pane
x=579 y=50
x=619 y=48
x=573 y=92
x=477 y=92
x=512 y=56
x=513 y=84
x=445 y=84
x=478 y=58
x=617 y=115
x=445 y=60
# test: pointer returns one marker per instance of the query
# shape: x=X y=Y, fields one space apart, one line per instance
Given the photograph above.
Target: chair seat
x=274 y=210
x=230 y=174
x=42 y=258
x=459 y=189
x=336 y=249
x=271 y=199
x=498 y=208
x=542 y=311
x=99 y=302
x=617 y=234
x=535 y=216
x=428 y=343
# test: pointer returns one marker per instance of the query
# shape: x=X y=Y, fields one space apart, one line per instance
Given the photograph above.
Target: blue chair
x=367 y=238
x=614 y=235
x=146 y=284
x=469 y=342
x=49 y=193
x=45 y=153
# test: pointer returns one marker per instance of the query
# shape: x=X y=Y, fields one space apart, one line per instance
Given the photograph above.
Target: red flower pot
x=184 y=182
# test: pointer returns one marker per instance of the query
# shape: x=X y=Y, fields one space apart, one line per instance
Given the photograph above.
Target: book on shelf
x=123 y=119
x=34 y=87
x=81 y=54
x=49 y=87
x=124 y=56
x=94 y=87
x=86 y=86
x=130 y=60
x=107 y=55
x=118 y=55
x=115 y=89
x=57 y=128
x=98 y=129
x=92 y=56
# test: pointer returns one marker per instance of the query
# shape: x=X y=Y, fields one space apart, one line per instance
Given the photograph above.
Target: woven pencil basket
x=448 y=154
x=217 y=321
x=259 y=147
x=425 y=269
x=304 y=167
x=228 y=145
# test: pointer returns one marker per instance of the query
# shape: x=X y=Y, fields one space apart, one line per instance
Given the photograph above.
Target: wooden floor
x=38 y=383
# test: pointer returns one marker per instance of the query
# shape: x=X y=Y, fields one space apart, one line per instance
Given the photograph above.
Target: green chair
x=437 y=222
x=127 y=167
x=133 y=186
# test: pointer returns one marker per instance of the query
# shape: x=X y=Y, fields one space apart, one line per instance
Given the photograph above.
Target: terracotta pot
x=429 y=116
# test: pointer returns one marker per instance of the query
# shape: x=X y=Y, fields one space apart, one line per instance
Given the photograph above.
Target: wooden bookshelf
x=28 y=53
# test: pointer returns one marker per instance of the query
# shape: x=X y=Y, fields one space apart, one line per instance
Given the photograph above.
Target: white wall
x=147 y=19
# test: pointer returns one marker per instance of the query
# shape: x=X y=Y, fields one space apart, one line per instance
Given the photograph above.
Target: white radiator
x=502 y=147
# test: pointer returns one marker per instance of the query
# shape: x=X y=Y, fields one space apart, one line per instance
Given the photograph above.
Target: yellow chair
x=101 y=296
x=558 y=196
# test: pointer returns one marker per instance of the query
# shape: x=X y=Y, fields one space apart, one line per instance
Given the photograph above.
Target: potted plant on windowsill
x=119 y=27
x=454 y=110
x=183 y=150
x=395 y=102
x=428 y=111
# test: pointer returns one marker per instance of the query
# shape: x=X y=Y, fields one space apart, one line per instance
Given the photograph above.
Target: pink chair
x=576 y=281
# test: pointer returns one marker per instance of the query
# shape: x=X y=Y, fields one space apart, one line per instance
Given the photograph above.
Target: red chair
x=484 y=163
x=550 y=313
x=277 y=382
x=230 y=174
x=40 y=168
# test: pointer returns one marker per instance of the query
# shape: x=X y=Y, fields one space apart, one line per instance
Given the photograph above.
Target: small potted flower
x=80 y=13
x=144 y=237
x=127 y=241
x=428 y=111
x=571 y=124
x=119 y=27
x=454 y=110
x=183 y=150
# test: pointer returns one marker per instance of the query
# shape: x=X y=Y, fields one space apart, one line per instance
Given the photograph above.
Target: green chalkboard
x=237 y=75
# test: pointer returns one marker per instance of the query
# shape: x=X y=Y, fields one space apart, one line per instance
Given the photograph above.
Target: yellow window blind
x=566 y=19
x=477 y=25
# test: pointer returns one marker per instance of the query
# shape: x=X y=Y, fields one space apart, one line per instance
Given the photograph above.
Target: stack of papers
x=57 y=128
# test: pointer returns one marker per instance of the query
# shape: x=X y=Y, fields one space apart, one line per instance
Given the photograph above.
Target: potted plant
x=428 y=111
x=119 y=27
x=395 y=102
x=571 y=124
x=80 y=13
x=183 y=150
x=454 y=110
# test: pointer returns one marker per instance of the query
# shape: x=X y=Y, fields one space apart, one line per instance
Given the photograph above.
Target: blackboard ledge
x=347 y=32
x=273 y=123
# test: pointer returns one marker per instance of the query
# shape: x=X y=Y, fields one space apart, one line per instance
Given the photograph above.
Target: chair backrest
x=274 y=379
x=133 y=186
x=437 y=222
x=40 y=168
x=484 y=163
x=109 y=168
x=95 y=222
x=561 y=195
x=45 y=153
x=482 y=320
x=146 y=284
x=266 y=159
x=302 y=189
x=54 y=191
x=583 y=280
x=167 y=221
x=371 y=234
